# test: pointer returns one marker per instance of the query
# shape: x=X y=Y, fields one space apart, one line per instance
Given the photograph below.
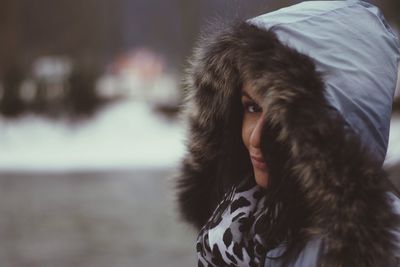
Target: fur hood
x=327 y=80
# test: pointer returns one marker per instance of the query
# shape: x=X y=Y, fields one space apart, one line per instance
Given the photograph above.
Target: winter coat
x=327 y=72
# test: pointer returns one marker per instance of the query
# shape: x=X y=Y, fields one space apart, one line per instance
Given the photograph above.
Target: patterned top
x=229 y=237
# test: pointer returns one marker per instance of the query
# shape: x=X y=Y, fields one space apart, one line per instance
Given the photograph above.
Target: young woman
x=288 y=117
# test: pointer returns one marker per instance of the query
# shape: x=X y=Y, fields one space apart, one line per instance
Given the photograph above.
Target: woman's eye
x=252 y=107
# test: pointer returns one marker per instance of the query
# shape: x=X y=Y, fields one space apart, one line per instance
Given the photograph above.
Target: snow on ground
x=393 y=153
x=124 y=135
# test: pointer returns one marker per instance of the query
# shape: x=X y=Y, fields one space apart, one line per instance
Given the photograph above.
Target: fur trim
x=336 y=177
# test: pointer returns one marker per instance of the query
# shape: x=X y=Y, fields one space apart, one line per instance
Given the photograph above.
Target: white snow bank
x=393 y=153
x=124 y=135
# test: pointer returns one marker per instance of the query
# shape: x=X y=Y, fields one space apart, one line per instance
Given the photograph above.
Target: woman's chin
x=261 y=177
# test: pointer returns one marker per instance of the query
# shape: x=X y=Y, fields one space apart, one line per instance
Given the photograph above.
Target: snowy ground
x=125 y=135
x=393 y=153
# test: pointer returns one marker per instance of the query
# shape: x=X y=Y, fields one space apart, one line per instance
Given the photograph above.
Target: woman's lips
x=258 y=162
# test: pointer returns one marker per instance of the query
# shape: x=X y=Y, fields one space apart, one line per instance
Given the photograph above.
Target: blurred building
x=94 y=31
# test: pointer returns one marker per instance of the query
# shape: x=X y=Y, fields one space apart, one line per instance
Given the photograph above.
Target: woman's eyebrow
x=244 y=93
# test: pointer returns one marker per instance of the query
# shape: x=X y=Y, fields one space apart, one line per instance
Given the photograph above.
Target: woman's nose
x=255 y=137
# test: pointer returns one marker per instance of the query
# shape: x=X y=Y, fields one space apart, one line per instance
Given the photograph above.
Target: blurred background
x=89 y=133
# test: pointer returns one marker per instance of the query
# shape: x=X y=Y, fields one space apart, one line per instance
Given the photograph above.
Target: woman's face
x=251 y=133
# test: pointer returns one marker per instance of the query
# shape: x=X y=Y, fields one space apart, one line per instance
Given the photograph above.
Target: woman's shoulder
x=309 y=255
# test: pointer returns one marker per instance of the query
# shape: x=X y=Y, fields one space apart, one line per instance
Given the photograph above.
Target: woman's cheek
x=246 y=132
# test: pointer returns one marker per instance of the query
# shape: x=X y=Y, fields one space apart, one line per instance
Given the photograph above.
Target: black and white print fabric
x=229 y=237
